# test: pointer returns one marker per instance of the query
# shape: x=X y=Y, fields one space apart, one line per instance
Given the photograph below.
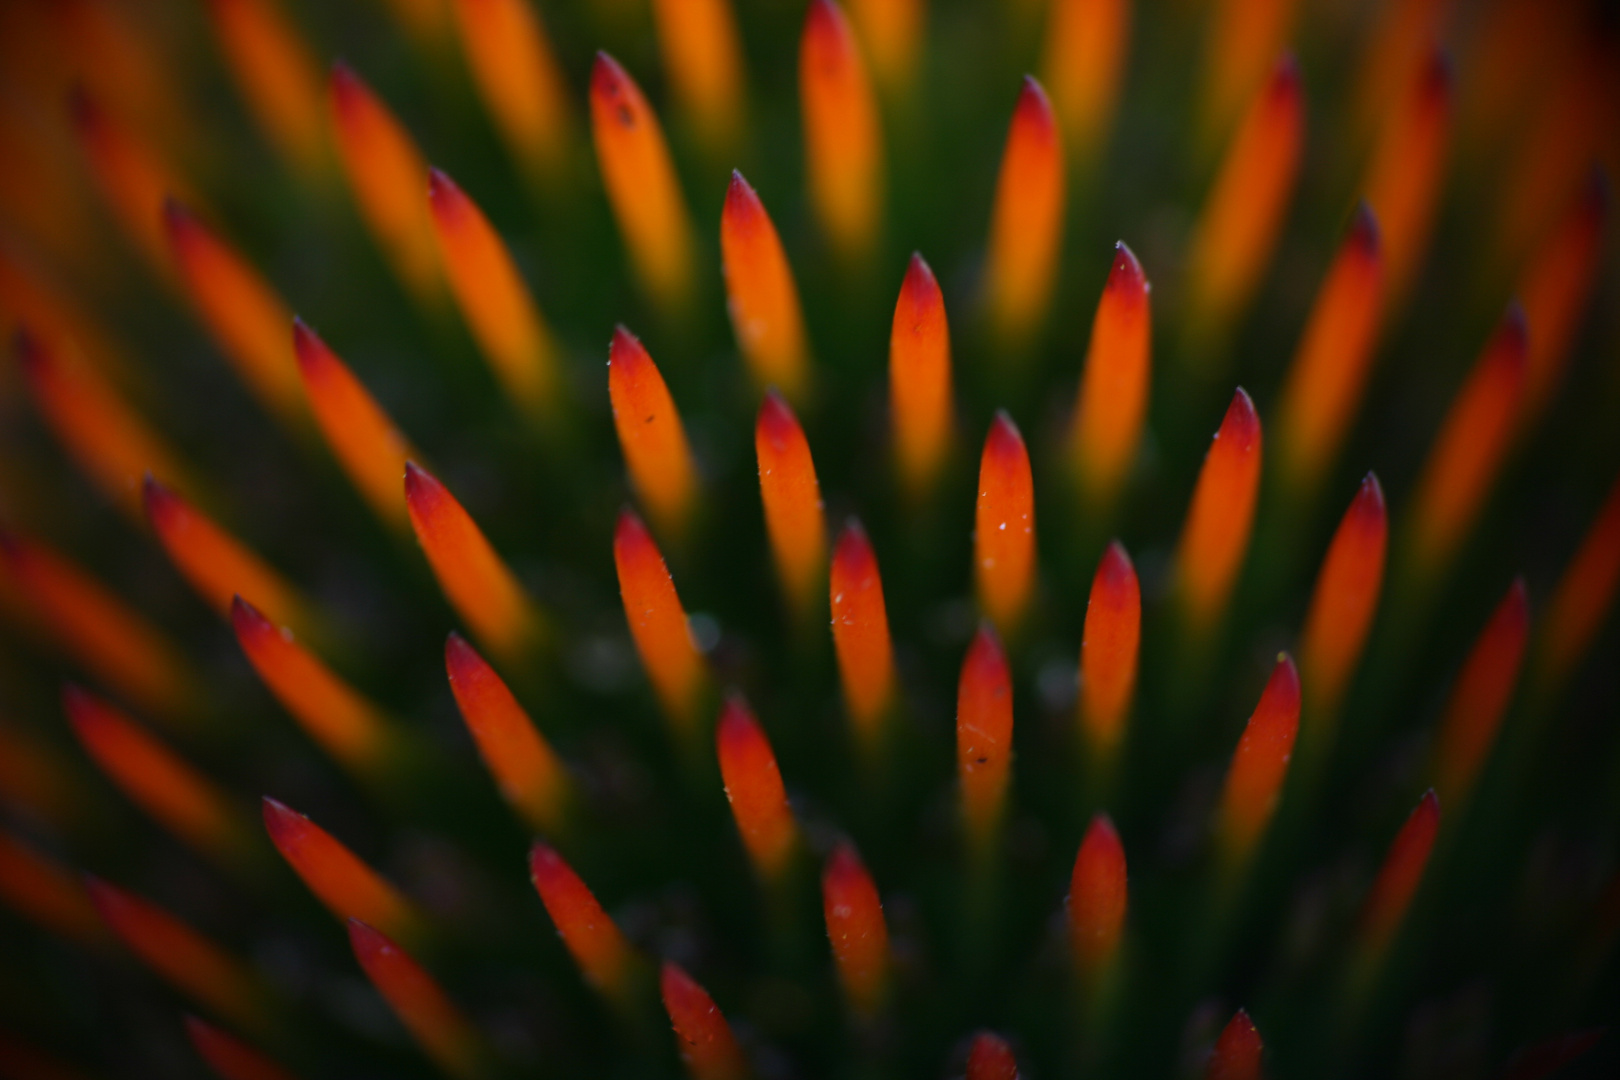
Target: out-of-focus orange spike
x=46 y=893
x=182 y=957
x=641 y=184
x=1567 y=134
x=760 y=294
x=1081 y=67
x=133 y=180
x=110 y=639
x=1244 y=39
x=658 y=622
x=1407 y=171
x=792 y=498
x=387 y=173
x=708 y=1049
x=274 y=71
x=651 y=435
x=531 y=778
x=1322 y=392
x=856 y=929
x=990 y=1058
x=1398 y=879
x=604 y=957
x=1260 y=764
x=1473 y=439
x=29 y=297
x=38 y=784
x=1097 y=899
x=421 y=1004
x=984 y=728
x=247 y=320
x=1237 y=229
x=890 y=31
x=843 y=138
x=1215 y=537
x=1344 y=600
x=920 y=379
x=334 y=714
x=1004 y=526
x=1026 y=223
x=229 y=1057
x=517 y=74
x=346 y=886
x=362 y=437
x=1397 y=47
x=1554 y=290
x=478 y=584
x=43 y=194
x=1108 y=650
x=155 y=779
x=1114 y=383
x=216 y=564
x=1583 y=596
x=111 y=444
x=498 y=306
x=860 y=624
x=754 y=788
x=118 y=52
x=1236 y=1055
x=1480 y=697
x=698 y=41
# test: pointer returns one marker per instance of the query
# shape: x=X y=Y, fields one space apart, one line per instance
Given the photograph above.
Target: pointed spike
x=1398 y=880
x=595 y=942
x=699 y=45
x=273 y=69
x=1583 y=597
x=753 y=786
x=476 y=581
x=1259 y=766
x=1215 y=536
x=1556 y=287
x=1480 y=697
x=1407 y=169
x=1344 y=601
x=984 y=729
x=641 y=183
x=1087 y=43
x=515 y=69
x=1004 y=526
x=1097 y=899
x=843 y=137
x=131 y=174
x=1109 y=649
x=860 y=624
x=651 y=434
x=920 y=403
x=761 y=296
x=1236 y=1055
x=792 y=498
x=433 y=1020
x=658 y=622
x=229 y=1057
x=856 y=929
x=1114 y=384
x=708 y=1049
x=347 y=887
x=530 y=776
x=1026 y=224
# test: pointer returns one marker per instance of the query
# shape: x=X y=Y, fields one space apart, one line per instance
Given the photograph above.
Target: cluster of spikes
x=1390 y=847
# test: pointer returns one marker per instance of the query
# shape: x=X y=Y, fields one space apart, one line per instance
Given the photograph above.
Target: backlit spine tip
x=642 y=186
x=1215 y=537
x=753 y=785
x=363 y=438
x=1109 y=648
x=984 y=730
x=842 y=133
x=497 y=304
x=1344 y=601
x=1237 y=228
x=920 y=399
x=1473 y=440
x=346 y=725
x=528 y=773
x=1114 y=383
x=1098 y=896
x=1323 y=388
x=1004 y=526
x=794 y=518
x=658 y=623
x=1480 y=697
x=1254 y=781
x=1397 y=882
x=1026 y=225
x=347 y=887
x=479 y=585
x=387 y=173
x=421 y=1004
x=761 y=295
x=857 y=930
x=708 y=1049
x=599 y=948
x=651 y=435
x=860 y=627
x=1237 y=1051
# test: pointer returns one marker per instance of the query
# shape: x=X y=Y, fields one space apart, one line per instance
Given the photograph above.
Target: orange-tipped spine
x=1480 y=697
x=843 y=136
x=345 y=885
x=761 y=295
x=856 y=929
x=229 y=1057
x=1215 y=537
x=517 y=74
x=658 y=622
x=651 y=435
x=1344 y=601
x=984 y=729
x=753 y=785
x=1004 y=526
x=595 y=942
x=1026 y=223
x=788 y=488
x=920 y=400
x=860 y=627
x=1109 y=649
x=1236 y=1055
x=1098 y=897
x=708 y=1049
x=1113 y=397
x=1259 y=766
x=421 y=1004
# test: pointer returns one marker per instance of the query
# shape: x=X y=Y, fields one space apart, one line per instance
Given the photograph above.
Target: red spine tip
x=990 y=1058
x=1237 y=1052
